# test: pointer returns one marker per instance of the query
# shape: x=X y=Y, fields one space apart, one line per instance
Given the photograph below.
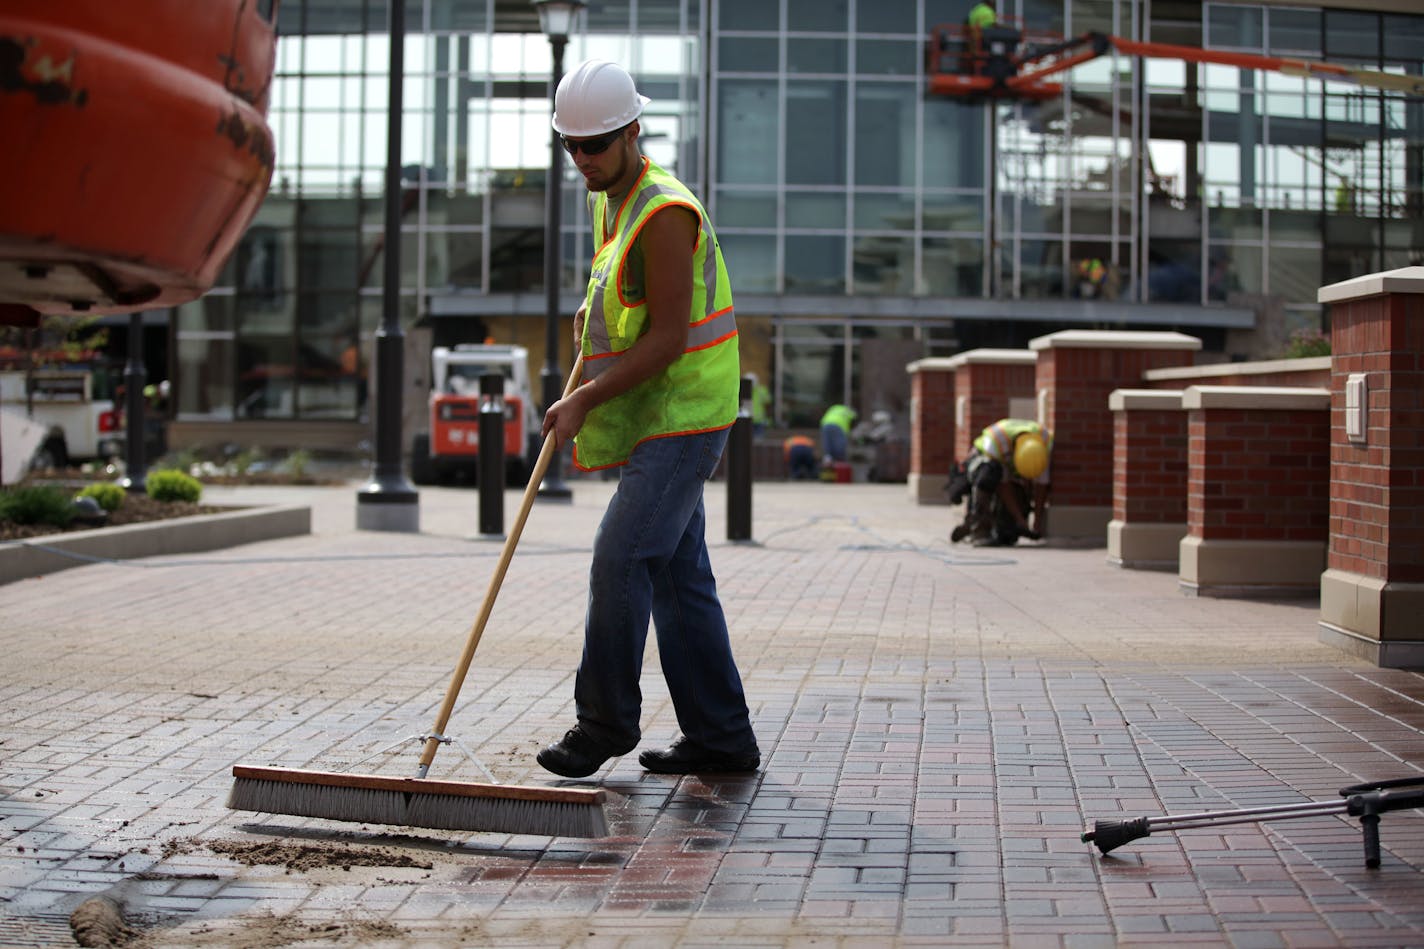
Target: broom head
x=419 y=802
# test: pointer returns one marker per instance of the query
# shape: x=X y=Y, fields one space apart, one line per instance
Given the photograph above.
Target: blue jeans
x=834 y=443
x=650 y=560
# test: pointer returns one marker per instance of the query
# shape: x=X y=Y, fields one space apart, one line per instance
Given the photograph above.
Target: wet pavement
x=938 y=725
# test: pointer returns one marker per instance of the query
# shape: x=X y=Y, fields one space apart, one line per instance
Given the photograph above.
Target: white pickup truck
x=78 y=426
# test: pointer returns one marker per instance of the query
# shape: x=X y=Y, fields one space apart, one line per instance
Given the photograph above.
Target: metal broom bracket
x=431 y=736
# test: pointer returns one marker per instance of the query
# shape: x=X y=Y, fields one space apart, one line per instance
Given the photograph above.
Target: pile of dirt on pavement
x=300 y=857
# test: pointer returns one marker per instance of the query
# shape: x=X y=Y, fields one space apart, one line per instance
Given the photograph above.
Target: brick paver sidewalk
x=937 y=724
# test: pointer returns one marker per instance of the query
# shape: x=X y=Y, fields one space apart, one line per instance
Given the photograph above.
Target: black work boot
x=577 y=755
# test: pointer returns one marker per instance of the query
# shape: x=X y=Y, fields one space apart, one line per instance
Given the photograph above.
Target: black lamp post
x=388 y=502
x=556 y=19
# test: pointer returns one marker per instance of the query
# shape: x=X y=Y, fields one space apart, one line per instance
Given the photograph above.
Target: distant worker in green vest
x=660 y=391
x=761 y=405
x=835 y=433
x=981 y=17
x=1009 y=457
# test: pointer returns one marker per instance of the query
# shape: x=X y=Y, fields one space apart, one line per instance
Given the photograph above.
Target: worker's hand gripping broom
x=417 y=801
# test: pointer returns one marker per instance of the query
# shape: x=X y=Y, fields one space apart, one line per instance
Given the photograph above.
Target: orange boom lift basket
x=136 y=147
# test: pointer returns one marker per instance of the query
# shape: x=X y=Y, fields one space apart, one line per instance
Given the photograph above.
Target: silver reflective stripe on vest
x=699 y=336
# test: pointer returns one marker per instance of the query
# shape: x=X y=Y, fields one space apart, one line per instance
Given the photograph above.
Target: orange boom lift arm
x=1007 y=63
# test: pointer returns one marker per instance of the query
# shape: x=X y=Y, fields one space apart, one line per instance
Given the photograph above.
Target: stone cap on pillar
x=999 y=357
x=1403 y=280
x=931 y=364
x=1115 y=339
x=1121 y=399
x=1262 y=367
x=1255 y=397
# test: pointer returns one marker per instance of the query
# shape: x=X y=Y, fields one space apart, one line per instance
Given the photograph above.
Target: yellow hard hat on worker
x=1030 y=455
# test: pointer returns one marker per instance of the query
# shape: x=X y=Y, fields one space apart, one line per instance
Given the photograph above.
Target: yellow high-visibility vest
x=699 y=391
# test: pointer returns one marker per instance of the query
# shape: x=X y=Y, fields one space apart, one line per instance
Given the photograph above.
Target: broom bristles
x=416 y=802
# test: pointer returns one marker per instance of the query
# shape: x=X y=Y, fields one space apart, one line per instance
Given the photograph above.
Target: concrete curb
x=180 y=535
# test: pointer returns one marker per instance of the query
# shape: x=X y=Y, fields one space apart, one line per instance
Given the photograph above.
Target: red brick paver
x=938 y=724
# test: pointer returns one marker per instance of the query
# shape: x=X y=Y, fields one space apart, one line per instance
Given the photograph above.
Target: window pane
x=1294 y=31
x=954 y=144
x=748 y=131
x=745 y=208
x=818 y=16
x=953 y=212
x=265 y=370
x=885 y=134
x=887 y=57
x=751 y=261
x=886 y=18
x=815 y=264
x=748 y=54
x=1233 y=27
x=748 y=15
x=825 y=209
x=816 y=55
x=884 y=265
x=204 y=385
x=953 y=267
x=880 y=211
x=1295 y=272
x=1233 y=269
x=1352 y=36
x=1174 y=271
x=816 y=133
x=1404 y=39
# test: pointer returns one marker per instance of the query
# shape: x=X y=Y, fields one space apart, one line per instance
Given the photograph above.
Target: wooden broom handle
x=541 y=466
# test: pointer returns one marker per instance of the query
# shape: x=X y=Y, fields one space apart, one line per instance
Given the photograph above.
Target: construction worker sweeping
x=660 y=392
x=1009 y=464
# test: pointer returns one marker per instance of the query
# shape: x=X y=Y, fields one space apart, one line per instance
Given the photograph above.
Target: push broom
x=420 y=801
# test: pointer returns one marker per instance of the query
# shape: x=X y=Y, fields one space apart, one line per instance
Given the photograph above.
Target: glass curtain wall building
x=865 y=221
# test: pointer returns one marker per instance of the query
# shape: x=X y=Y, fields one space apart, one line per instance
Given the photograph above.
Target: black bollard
x=135 y=479
x=491 y=464
x=739 y=469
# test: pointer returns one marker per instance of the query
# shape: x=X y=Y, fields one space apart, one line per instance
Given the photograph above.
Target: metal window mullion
x=847 y=248
x=917 y=231
x=782 y=89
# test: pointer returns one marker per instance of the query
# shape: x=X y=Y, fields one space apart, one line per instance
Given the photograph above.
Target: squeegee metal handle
x=541 y=466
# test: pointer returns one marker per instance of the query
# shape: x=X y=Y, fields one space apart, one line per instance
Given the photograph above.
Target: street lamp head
x=556 y=17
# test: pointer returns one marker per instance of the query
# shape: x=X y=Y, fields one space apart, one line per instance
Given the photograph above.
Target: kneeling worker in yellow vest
x=1009 y=457
x=660 y=390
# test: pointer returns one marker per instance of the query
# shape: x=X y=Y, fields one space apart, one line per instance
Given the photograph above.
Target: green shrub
x=37 y=504
x=109 y=496
x=173 y=485
x=296 y=463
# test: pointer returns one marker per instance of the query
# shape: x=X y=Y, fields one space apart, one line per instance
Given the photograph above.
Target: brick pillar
x=1258 y=490
x=931 y=429
x=1077 y=372
x=990 y=384
x=1149 y=478
x=1372 y=592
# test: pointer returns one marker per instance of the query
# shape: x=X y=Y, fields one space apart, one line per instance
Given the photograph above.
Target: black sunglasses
x=591 y=146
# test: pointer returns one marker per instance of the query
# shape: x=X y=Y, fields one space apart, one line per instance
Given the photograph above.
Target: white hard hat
x=596 y=97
